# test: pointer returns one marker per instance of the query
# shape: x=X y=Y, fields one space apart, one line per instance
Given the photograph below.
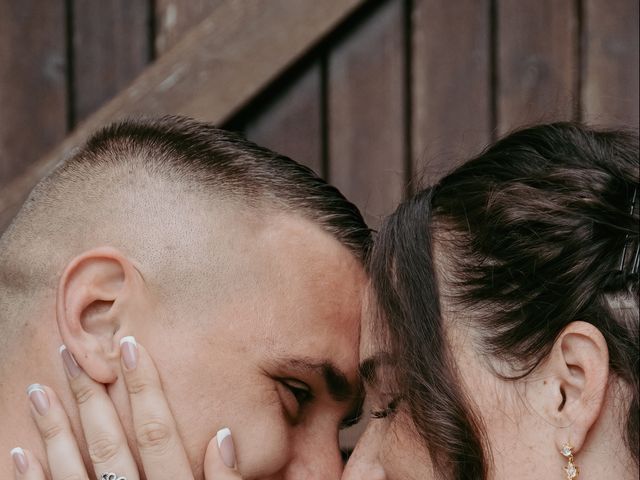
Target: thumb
x=220 y=458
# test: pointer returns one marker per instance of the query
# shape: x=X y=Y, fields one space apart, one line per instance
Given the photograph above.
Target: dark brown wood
x=537 y=62
x=176 y=17
x=610 y=62
x=451 y=83
x=367 y=151
x=214 y=71
x=33 y=85
x=111 y=46
x=291 y=124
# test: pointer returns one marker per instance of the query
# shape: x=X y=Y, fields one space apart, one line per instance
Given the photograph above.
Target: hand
x=159 y=444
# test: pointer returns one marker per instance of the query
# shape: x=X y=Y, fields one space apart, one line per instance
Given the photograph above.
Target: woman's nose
x=364 y=463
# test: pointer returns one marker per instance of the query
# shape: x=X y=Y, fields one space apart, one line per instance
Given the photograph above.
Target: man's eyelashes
x=351 y=420
x=294 y=395
x=300 y=390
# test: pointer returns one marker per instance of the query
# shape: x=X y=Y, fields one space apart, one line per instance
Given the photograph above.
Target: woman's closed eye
x=387 y=411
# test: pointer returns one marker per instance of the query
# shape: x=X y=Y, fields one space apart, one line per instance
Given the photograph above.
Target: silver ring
x=111 y=476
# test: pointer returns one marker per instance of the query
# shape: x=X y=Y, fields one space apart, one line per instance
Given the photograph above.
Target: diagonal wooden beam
x=215 y=70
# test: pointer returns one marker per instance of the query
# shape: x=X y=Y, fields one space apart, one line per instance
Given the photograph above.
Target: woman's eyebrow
x=368 y=369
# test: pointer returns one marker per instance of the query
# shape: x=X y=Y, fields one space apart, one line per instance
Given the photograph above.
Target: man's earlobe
x=94 y=296
x=580 y=363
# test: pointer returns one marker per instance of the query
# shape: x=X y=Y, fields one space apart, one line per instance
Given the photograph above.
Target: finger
x=161 y=449
x=103 y=433
x=26 y=466
x=220 y=458
x=60 y=444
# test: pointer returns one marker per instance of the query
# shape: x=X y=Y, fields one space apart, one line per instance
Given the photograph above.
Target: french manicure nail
x=20 y=460
x=38 y=398
x=69 y=362
x=226 y=447
x=129 y=352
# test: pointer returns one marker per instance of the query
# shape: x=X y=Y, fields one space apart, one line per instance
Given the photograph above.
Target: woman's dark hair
x=538 y=231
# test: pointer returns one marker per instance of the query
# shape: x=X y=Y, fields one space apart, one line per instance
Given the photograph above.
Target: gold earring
x=571 y=469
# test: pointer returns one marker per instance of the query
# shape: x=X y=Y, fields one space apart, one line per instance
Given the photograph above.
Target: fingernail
x=129 y=352
x=38 y=398
x=69 y=362
x=226 y=448
x=20 y=460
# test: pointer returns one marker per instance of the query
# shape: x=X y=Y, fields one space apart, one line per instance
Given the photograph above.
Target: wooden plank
x=174 y=18
x=537 y=62
x=610 y=62
x=216 y=69
x=111 y=46
x=451 y=84
x=367 y=149
x=33 y=83
x=291 y=124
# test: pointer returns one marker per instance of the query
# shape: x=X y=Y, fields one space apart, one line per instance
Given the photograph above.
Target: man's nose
x=316 y=458
x=364 y=463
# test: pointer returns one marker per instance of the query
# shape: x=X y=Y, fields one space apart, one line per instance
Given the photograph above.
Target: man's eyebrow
x=338 y=386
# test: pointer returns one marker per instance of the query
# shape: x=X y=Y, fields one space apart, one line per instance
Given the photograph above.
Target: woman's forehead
x=371 y=325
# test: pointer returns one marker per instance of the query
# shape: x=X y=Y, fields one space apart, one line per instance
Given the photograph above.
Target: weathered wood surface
x=367 y=148
x=610 y=62
x=111 y=46
x=291 y=124
x=209 y=75
x=33 y=82
x=537 y=46
x=451 y=84
x=174 y=18
x=476 y=69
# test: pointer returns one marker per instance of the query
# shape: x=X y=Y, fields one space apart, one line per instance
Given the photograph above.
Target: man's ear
x=579 y=366
x=97 y=295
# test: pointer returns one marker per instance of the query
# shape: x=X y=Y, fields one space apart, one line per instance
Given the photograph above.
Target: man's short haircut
x=195 y=157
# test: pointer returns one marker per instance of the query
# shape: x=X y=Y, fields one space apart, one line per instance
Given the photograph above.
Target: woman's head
x=507 y=298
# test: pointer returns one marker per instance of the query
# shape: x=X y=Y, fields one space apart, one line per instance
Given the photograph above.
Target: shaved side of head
x=167 y=193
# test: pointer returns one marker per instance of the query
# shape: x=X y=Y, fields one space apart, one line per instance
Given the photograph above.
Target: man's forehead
x=296 y=291
x=306 y=277
x=284 y=244
x=290 y=230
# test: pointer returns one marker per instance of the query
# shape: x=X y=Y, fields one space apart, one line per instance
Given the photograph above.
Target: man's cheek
x=262 y=445
x=260 y=430
x=253 y=412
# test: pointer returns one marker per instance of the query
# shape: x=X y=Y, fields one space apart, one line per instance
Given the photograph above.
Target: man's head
x=239 y=270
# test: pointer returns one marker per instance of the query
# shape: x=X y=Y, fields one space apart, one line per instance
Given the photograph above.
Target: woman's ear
x=579 y=364
x=97 y=295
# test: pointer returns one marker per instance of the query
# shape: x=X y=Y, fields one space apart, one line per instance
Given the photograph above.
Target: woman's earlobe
x=94 y=295
x=581 y=365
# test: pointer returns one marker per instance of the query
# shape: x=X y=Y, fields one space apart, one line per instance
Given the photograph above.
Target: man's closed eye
x=295 y=395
